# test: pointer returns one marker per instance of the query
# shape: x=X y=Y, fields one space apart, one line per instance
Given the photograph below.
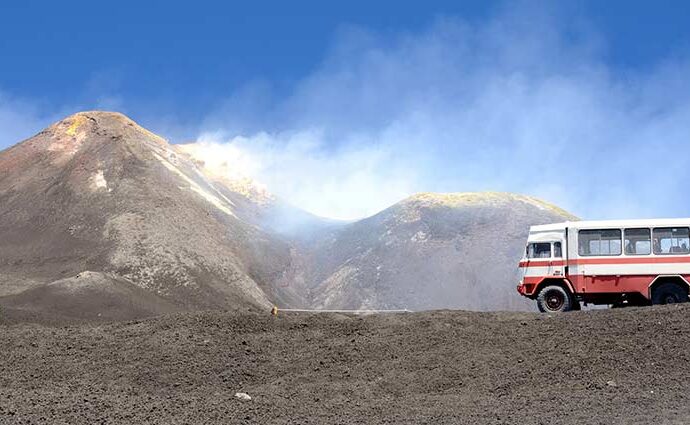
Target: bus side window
x=557 y=250
x=637 y=242
x=599 y=242
x=671 y=240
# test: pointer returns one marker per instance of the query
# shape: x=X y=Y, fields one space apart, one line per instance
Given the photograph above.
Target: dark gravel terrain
x=627 y=366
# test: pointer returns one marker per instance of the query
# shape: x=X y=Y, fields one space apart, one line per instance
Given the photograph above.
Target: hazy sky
x=346 y=109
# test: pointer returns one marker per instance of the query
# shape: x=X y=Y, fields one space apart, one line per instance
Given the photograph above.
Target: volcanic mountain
x=431 y=251
x=97 y=192
x=98 y=214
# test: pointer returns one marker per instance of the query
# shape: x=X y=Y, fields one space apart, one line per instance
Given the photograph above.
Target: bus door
x=557 y=263
x=574 y=269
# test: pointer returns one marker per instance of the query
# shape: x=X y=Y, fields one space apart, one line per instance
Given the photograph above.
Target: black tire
x=554 y=299
x=669 y=293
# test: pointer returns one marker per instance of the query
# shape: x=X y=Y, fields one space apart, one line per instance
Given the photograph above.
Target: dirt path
x=629 y=366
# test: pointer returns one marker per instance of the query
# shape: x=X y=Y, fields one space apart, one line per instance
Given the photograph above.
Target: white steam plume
x=524 y=103
x=345 y=184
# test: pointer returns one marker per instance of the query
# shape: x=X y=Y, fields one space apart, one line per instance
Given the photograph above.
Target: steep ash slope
x=98 y=192
x=431 y=251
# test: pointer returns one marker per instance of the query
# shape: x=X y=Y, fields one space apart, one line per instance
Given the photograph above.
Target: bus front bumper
x=525 y=289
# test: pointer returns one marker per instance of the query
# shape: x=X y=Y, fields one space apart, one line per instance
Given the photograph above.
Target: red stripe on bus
x=621 y=260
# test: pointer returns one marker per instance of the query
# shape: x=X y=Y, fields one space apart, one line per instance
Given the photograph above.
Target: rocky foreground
x=627 y=366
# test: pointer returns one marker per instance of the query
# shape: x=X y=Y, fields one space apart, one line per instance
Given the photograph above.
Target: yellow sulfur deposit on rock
x=77 y=122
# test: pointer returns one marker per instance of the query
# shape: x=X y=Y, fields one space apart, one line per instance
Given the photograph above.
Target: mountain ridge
x=97 y=192
x=448 y=250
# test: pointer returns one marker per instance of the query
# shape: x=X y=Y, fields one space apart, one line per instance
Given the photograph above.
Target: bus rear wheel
x=669 y=293
x=554 y=299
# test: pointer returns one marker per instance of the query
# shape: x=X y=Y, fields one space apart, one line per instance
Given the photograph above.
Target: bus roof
x=612 y=224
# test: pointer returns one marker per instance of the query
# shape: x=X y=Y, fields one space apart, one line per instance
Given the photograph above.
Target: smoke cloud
x=524 y=102
x=351 y=181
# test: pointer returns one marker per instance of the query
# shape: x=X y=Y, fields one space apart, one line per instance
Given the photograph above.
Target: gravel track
x=627 y=366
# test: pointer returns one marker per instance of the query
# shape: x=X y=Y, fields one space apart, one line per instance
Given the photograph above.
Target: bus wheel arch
x=669 y=290
x=549 y=281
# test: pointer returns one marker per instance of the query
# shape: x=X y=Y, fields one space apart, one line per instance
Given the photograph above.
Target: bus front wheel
x=554 y=299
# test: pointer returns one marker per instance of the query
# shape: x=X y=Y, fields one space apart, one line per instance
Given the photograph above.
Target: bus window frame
x=651 y=235
x=671 y=253
x=620 y=239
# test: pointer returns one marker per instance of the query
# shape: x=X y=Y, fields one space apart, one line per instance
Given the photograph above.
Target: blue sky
x=347 y=107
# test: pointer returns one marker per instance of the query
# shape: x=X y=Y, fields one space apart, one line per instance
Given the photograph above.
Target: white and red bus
x=621 y=262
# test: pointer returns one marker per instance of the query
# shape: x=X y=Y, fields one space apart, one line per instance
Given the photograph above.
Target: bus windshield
x=539 y=250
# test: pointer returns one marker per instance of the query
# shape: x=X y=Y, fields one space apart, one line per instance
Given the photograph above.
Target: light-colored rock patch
x=194 y=186
x=99 y=182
